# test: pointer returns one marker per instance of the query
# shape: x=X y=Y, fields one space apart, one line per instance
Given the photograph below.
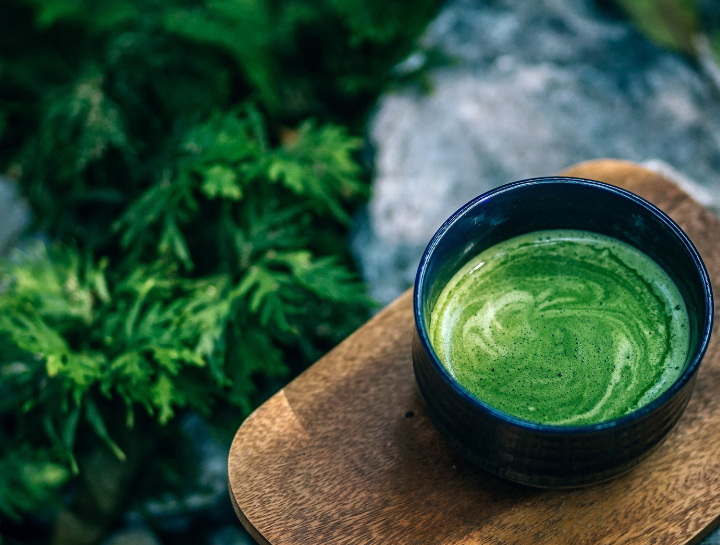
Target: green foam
x=562 y=327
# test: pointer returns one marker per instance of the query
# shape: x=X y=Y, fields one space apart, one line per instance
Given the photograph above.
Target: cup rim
x=684 y=378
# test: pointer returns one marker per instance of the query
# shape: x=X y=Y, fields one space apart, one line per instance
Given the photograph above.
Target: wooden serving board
x=345 y=454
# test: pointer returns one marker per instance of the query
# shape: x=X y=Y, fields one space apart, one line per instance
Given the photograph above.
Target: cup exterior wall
x=540 y=458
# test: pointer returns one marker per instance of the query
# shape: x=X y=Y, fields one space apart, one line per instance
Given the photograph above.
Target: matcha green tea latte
x=562 y=327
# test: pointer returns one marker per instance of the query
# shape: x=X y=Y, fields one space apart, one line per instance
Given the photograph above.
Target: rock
x=712 y=539
x=231 y=535
x=14 y=213
x=133 y=536
x=205 y=495
x=537 y=86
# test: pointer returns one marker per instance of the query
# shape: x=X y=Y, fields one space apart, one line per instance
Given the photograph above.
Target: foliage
x=670 y=23
x=194 y=242
x=691 y=27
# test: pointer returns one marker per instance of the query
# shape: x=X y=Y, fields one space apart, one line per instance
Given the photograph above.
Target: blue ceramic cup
x=540 y=454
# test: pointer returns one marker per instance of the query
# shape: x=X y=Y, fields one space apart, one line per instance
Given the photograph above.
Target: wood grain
x=345 y=454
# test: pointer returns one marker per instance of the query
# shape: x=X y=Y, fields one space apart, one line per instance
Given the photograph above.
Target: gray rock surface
x=231 y=535
x=133 y=536
x=204 y=492
x=712 y=539
x=201 y=512
x=14 y=213
x=536 y=87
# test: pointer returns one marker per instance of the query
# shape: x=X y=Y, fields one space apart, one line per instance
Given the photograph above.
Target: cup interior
x=568 y=203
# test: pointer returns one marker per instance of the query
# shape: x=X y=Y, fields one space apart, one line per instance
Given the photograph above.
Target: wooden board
x=345 y=454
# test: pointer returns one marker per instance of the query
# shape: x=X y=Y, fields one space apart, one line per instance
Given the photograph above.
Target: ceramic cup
x=540 y=454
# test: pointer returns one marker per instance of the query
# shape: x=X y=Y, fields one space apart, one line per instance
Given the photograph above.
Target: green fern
x=192 y=177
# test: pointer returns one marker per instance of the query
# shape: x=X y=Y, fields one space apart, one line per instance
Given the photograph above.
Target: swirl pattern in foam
x=562 y=327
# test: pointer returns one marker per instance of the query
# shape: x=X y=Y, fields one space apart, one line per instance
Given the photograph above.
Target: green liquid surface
x=562 y=327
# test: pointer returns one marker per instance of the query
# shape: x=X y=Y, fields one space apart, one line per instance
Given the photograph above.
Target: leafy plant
x=191 y=244
x=671 y=23
x=690 y=27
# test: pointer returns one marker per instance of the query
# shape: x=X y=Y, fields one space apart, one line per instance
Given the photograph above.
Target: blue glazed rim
x=689 y=371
